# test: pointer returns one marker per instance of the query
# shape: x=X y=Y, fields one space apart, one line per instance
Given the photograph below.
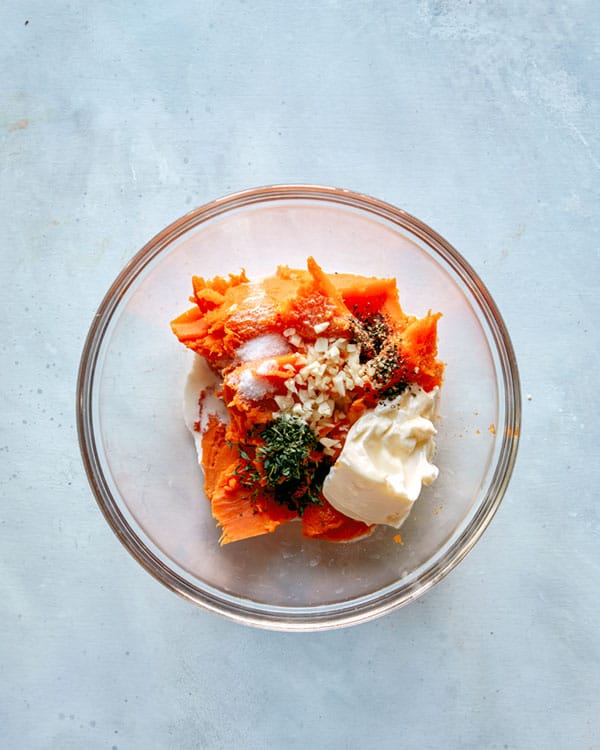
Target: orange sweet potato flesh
x=217 y=456
x=366 y=296
x=325 y=522
x=240 y=515
x=230 y=311
x=418 y=349
x=239 y=311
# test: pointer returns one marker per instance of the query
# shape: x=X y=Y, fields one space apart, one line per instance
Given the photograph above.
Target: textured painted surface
x=481 y=119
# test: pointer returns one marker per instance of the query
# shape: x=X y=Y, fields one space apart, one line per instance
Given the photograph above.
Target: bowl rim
x=351 y=611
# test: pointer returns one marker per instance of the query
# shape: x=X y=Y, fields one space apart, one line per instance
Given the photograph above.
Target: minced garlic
x=317 y=392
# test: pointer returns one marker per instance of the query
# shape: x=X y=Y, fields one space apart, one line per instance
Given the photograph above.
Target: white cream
x=199 y=400
x=385 y=460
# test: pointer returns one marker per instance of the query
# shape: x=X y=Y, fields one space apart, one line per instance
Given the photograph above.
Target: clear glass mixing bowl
x=140 y=458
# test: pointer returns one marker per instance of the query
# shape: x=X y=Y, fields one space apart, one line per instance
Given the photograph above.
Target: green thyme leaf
x=291 y=459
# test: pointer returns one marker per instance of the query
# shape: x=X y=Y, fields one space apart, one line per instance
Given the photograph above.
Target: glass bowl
x=140 y=458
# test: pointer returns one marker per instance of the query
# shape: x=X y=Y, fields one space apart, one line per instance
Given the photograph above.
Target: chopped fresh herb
x=246 y=471
x=287 y=463
x=288 y=444
x=290 y=457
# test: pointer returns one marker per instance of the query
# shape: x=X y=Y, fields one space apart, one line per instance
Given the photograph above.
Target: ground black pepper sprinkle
x=393 y=390
x=372 y=333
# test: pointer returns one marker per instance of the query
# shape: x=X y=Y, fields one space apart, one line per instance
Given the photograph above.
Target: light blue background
x=481 y=118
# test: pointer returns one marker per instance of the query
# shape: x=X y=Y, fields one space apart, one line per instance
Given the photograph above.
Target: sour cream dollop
x=386 y=459
x=200 y=402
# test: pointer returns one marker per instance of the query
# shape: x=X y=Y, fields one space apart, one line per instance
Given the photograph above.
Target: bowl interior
x=151 y=482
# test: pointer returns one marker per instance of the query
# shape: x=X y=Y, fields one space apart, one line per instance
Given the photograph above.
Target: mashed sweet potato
x=300 y=356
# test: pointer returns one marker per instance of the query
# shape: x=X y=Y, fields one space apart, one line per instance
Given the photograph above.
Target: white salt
x=266 y=366
x=261 y=347
x=252 y=387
